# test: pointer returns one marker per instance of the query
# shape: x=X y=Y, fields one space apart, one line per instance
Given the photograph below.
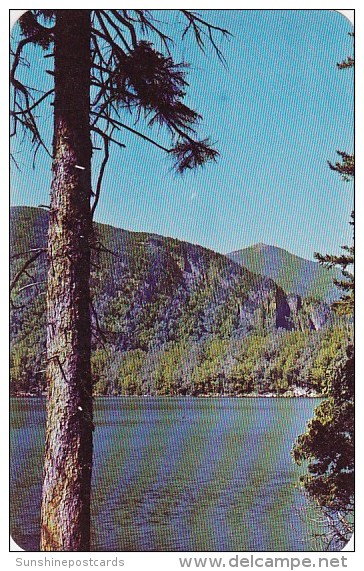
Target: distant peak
x=267 y=248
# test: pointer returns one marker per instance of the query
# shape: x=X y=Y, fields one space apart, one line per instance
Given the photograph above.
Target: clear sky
x=277 y=112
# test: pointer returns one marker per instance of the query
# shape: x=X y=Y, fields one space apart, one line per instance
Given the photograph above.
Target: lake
x=177 y=474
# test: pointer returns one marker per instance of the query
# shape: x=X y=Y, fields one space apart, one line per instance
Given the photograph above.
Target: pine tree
x=328 y=443
x=328 y=447
x=104 y=68
x=345 y=305
x=346 y=169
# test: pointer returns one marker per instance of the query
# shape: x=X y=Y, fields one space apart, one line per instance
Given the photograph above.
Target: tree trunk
x=65 y=513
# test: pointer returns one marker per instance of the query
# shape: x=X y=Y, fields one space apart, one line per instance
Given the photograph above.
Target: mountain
x=169 y=317
x=293 y=274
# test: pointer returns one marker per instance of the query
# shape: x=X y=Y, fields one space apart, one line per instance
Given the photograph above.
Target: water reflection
x=173 y=474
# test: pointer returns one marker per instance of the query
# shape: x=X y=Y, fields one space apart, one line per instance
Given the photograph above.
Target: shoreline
x=249 y=396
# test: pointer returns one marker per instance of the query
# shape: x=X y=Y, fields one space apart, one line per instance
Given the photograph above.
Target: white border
x=166 y=561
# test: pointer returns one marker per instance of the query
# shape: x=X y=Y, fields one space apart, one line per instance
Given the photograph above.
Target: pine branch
x=28 y=263
x=31 y=27
x=191 y=154
x=34 y=105
x=98 y=328
x=22 y=113
x=116 y=49
x=109 y=137
x=346 y=63
x=199 y=26
x=146 y=20
x=345 y=285
x=346 y=168
x=126 y=22
x=149 y=83
x=31 y=251
x=104 y=13
x=33 y=284
x=117 y=123
x=101 y=173
x=330 y=261
x=99 y=247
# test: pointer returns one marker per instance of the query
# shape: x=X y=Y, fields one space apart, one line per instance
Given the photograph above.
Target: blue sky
x=278 y=112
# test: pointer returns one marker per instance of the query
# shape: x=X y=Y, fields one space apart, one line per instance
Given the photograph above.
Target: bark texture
x=65 y=512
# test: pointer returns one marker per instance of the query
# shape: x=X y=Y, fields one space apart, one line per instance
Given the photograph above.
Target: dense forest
x=172 y=318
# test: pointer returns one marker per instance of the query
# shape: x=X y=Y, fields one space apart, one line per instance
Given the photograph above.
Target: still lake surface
x=177 y=474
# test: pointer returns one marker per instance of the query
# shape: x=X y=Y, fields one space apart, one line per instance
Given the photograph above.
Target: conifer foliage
x=106 y=68
x=328 y=444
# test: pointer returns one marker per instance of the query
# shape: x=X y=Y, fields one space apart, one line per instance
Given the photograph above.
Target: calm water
x=177 y=474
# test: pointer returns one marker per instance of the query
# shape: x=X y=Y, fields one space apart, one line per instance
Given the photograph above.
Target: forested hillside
x=171 y=318
x=294 y=274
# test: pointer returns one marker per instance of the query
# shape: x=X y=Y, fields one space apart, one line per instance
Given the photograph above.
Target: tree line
x=287 y=363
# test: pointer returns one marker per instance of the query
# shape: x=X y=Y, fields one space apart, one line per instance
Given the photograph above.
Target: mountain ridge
x=172 y=318
x=295 y=274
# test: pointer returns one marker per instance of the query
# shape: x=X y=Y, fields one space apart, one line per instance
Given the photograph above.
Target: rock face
x=150 y=290
x=149 y=293
x=307 y=313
